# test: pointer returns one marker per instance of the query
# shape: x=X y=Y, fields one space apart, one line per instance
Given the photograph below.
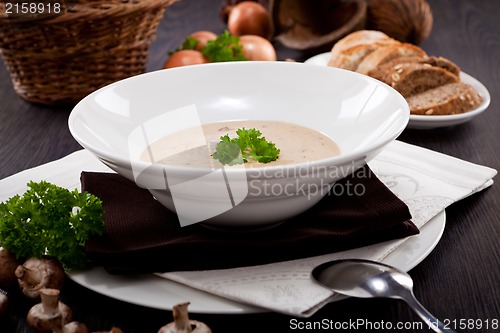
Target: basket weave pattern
x=59 y=60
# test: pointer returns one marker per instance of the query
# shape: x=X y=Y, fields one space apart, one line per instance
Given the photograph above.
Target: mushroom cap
x=75 y=327
x=38 y=273
x=8 y=265
x=4 y=302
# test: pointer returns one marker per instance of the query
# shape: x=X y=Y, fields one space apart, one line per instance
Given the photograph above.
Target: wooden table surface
x=458 y=281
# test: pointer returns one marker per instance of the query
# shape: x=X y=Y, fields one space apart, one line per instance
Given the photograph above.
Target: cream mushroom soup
x=194 y=146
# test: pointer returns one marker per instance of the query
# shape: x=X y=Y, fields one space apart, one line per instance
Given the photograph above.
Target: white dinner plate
x=430 y=122
x=155 y=292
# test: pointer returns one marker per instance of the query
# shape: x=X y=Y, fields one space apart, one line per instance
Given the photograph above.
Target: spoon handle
x=435 y=324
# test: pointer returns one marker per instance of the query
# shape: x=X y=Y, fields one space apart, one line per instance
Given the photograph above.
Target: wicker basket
x=60 y=59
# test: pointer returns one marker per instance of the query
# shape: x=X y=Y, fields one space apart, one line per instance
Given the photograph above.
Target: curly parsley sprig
x=225 y=47
x=50 y=220
x=248 y=146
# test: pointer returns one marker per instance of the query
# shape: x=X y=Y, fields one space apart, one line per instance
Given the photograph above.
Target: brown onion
x=184 y=58
x=249 y=18
x=257 y=48
x=203 y=37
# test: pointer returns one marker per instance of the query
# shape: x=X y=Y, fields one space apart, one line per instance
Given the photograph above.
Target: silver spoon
x=365 y=278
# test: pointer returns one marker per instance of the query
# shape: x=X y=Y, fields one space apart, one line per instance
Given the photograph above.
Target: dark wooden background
x=458 y=281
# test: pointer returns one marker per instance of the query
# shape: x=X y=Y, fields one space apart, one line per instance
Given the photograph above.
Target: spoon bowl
x=365 y=279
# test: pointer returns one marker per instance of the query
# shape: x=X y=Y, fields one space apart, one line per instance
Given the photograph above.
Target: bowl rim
x=336 y=160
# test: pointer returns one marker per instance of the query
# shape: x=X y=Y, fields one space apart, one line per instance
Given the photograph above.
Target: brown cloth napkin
x=141 y=236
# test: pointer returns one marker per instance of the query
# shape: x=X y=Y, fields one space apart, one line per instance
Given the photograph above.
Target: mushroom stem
x=182 y=323
x=50 y=301
x=181 y=317
x=50 y=315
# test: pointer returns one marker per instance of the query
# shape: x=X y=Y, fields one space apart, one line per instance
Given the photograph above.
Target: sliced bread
x=351 y=58
x=348 y=52
x=431 y=85
x=356 y=38
x=442 y=62
x=452 y=98
x=386 y=53
x=413 y=78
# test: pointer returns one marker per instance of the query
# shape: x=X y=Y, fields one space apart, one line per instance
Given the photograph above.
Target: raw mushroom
x=182 y=323
x=4 y=301
x=72 y=327
x=113 y=330
x=49 y=315
x=8 y=265
x=38 y=273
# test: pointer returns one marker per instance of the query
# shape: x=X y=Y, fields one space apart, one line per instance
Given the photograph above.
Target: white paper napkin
x=425 y=180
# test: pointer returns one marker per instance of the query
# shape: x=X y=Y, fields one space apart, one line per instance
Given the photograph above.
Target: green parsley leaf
x=189 y=43
x=249 y=146
x=228 y=152
x=225 y=47
x=50 y=220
